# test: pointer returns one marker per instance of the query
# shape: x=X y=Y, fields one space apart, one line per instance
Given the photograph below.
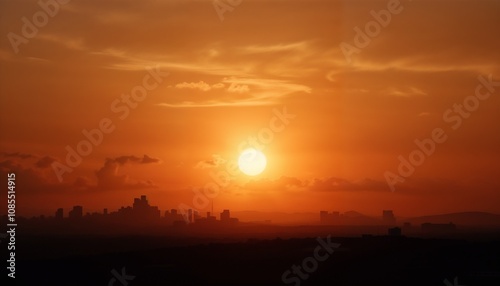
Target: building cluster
x=388 y=219
x=335 y=217
x=142 y=211
x=353 y=218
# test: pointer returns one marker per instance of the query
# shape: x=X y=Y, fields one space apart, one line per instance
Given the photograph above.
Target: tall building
x=59 y=214
x=76 y=212
x=140 y=210
x=225 y=216
x=141 y=204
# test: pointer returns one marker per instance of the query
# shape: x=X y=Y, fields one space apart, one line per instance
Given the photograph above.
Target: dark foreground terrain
x=168 y=261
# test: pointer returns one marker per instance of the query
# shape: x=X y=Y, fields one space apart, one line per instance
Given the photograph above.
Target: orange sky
x=225 y=81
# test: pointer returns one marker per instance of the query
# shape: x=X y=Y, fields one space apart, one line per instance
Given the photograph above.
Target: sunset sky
x=227 y=79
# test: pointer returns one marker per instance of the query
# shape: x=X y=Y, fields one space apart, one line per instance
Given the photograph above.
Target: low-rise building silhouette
x=394 y=231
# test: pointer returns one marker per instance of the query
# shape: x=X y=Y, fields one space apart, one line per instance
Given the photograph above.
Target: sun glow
x=252 y=162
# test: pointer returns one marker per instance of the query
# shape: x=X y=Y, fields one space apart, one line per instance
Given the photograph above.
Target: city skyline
x=348 y=107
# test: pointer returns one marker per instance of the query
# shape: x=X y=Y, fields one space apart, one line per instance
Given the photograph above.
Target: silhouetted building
x=196 y=215
x=388 y=216
x=76 y=212
x=190 y=215
x=172 y=216
x=210 y=217
x=225 y=216
x=394 y=231
x=59 y=214
x=140 y=210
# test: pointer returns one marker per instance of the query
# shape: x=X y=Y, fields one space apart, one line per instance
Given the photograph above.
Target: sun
x=252 y=162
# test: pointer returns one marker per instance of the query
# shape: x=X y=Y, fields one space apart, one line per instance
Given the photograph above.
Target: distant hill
x=277 y=217
x=348 y=218
x=356 y=218
x=463 y=218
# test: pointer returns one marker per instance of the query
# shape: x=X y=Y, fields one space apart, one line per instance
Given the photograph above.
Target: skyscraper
x=225 y=216
x=59 y=214
x=76 y=212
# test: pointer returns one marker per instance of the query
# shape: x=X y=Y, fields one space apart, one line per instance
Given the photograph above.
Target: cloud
x=191 y=104
x=284 y=183
x=239 y=88
x=31 y=179
x=256 y=49
x=215 y=162
x=18 y=155
x=108 y=177
x=405 y=92
x=36 y=177
x=330 y=184
x=251 y=92
x=122 y=160
x=45 y=162
x=201 y=85
x=148 y=160
x=82 y=182
x=337 y=184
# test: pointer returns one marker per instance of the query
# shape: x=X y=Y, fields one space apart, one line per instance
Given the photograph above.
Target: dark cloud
x=147 y=160
x=122 y=160
x=215 y=162
x=282 y=184
x=38 y=177
x=338 y=184
x=82 y=182
x=30 y=179
x=108 y=177
x=45 y=162
x=329 y=184
x=18 y=155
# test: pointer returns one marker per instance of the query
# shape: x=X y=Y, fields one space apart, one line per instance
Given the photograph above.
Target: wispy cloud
x=253 y=91
x=215 y=162
x=201 y=85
